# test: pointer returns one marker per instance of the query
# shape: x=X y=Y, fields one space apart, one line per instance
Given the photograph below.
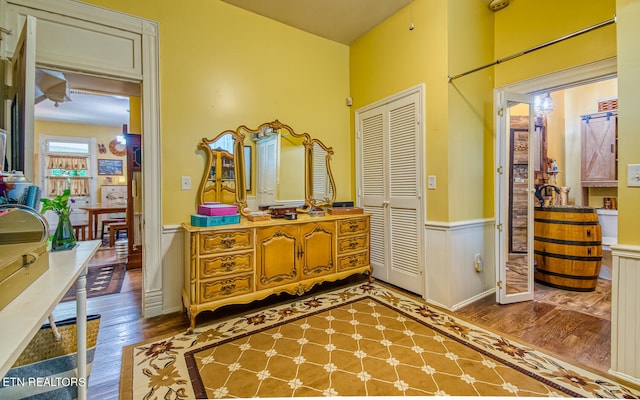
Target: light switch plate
x=431 y=182
x=185 y=183
x=633 y=175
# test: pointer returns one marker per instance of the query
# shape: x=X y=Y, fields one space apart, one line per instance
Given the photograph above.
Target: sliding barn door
x=390 y=179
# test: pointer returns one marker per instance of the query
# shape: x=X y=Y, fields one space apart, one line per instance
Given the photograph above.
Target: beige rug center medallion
x=365 y=340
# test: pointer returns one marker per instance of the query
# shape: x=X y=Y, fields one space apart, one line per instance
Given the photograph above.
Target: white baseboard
x=473 y=299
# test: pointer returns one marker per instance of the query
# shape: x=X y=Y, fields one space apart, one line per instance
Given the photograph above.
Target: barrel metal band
x=569 y=242
x=558 y=222
x=581 y=278
x=574 y=289
x=568 y=257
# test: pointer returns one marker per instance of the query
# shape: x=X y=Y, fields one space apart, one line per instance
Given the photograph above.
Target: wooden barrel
x=567 y=247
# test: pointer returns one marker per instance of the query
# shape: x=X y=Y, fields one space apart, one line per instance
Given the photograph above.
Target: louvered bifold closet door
x=404 y=194
x=373 y=185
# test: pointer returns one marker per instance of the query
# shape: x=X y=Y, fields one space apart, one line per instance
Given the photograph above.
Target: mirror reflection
x=280 y=157
x=219 y=182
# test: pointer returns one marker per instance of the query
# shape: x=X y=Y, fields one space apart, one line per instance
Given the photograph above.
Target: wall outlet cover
x=633 y=175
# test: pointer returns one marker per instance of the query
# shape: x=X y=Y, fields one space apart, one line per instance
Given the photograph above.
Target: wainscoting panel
x=172 y=268
x=625 y=313
x=452 y=280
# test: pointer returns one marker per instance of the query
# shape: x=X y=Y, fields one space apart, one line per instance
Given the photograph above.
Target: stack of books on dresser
x=215 y=214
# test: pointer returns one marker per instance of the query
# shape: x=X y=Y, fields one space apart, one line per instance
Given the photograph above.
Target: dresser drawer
x=353 y=226
x=226 y=287
x=215 y=242
x=211 y=267
x=352 y=243
x=353 y=261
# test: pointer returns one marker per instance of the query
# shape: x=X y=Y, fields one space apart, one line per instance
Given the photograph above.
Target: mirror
x=322 y=184
x=224 y=166
x=20 y=224
x=284 y=168
x=292 y=169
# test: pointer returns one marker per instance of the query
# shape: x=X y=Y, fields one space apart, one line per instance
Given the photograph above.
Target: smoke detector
x=496 y=5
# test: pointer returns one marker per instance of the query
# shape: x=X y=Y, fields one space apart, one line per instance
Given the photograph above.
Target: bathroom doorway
x=553 y=156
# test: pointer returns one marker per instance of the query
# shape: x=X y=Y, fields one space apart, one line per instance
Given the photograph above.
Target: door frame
x=570 y=77
x=75 y=13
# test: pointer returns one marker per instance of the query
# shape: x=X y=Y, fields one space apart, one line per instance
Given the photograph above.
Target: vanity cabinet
x=236 y=264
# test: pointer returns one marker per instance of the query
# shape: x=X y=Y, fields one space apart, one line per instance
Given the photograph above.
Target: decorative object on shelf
x=64 y=237
x=109 y=167
x=117 y=148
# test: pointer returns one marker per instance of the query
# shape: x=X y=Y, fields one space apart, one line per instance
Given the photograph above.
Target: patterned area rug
x=101 y=280
x=365 y=340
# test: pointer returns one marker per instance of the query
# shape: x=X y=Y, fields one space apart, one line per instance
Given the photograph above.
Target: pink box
x=217 y=209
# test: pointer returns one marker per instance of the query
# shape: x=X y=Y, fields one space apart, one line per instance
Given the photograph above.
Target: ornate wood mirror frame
x=217 y=185
x=319 y=185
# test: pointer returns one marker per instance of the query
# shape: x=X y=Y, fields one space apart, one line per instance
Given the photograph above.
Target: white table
x=22 y=318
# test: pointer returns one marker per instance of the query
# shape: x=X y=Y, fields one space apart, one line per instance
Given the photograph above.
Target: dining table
x=94 y=213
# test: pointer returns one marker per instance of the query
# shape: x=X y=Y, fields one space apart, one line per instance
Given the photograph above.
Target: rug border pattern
x=179 y=349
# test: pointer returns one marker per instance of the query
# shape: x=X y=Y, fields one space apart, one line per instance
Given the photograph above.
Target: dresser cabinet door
x=318 y=249
x=277 y=252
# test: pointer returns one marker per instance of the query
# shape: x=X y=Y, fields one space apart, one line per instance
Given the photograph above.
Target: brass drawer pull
x=228 y=242
x=228 y=265
x=226 y=289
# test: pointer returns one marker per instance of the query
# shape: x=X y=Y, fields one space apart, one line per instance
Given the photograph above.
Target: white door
x=267 y=156
x=22 y=96
x=390 y=176
x=514 y=183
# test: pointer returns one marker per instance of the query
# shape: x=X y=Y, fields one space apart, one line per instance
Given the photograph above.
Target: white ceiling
x=94 y=101
x=342 y=21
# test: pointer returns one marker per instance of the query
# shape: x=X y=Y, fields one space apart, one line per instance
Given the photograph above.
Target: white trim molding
x=451 y=279
x=625 y=313
x=144 y=69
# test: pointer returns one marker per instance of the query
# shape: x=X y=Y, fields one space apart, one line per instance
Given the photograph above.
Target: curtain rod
x=538 y=47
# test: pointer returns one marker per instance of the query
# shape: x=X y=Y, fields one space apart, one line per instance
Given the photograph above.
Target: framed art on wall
x=109 y=167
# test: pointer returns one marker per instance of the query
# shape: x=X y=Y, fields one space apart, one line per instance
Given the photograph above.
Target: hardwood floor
x=573 y=326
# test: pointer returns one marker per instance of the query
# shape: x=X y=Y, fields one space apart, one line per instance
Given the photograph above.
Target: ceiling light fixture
x=542 y=104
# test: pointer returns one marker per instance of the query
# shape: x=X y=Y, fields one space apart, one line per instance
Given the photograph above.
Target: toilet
x=609 y=224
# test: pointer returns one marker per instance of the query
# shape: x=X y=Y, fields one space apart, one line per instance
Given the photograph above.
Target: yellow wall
x=448 y=37
x=525 y=24
x=103 y=135
x=574 y=103
x=629 y=118
x=222 y=67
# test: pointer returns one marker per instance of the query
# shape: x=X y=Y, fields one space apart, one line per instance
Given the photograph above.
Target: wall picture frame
x=110 y=167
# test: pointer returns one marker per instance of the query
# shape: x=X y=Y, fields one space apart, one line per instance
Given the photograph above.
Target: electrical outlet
x=478 y=262
x=185 y=183
x=431 y=182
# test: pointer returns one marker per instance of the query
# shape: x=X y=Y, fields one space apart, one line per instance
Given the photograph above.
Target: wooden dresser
x=236 y=264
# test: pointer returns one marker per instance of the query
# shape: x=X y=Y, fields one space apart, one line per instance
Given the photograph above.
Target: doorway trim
x=77 y=13
x=563 y=79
